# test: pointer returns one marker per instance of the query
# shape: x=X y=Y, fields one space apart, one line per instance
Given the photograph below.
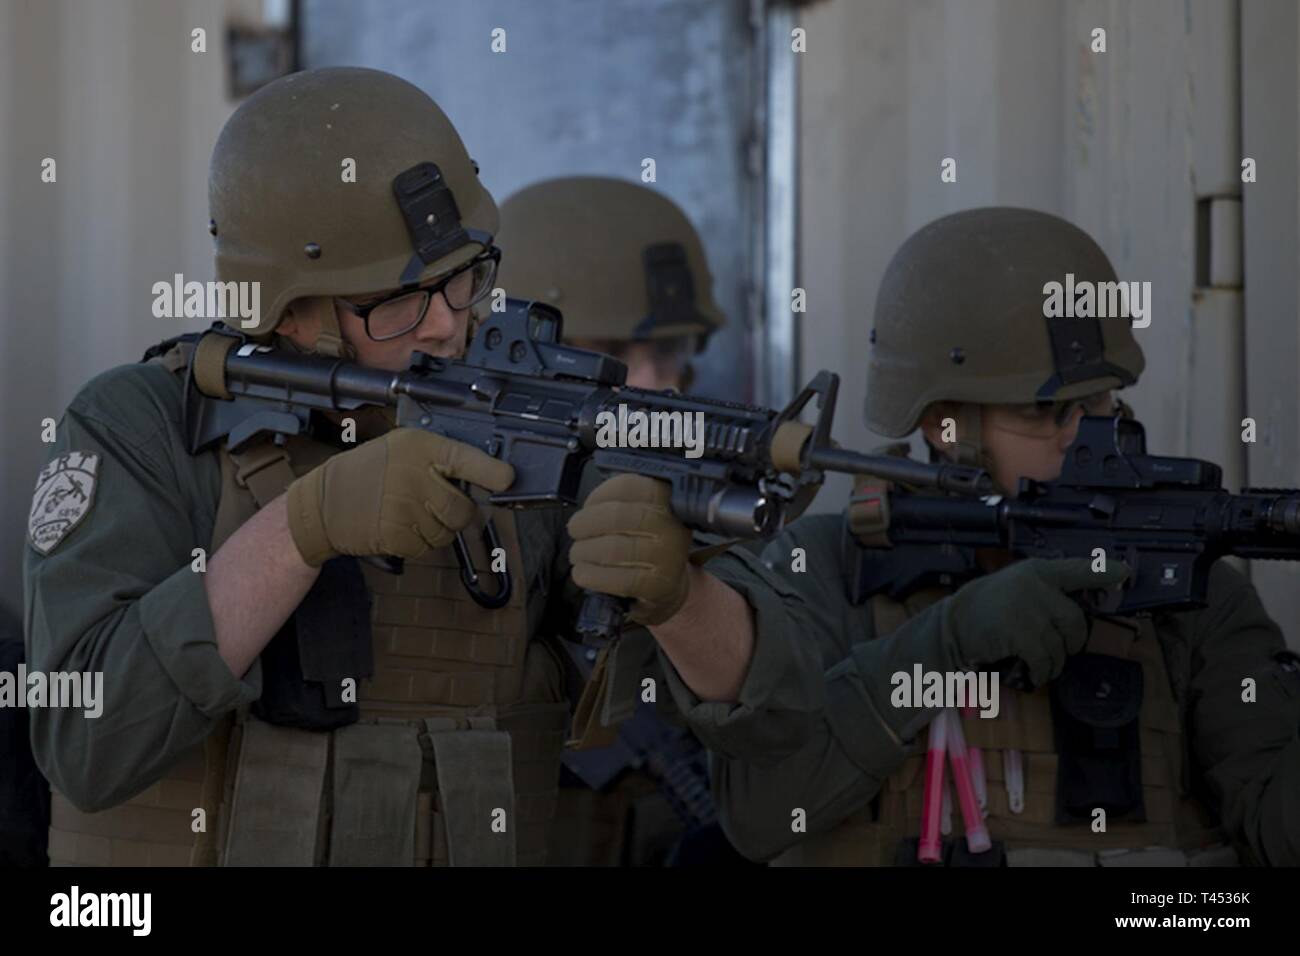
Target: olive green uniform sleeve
x=782 y=694
x=117 y=595
x=858 y=740
x=1247 y=753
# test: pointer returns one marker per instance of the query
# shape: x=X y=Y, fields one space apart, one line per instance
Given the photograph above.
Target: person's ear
x=288 y=324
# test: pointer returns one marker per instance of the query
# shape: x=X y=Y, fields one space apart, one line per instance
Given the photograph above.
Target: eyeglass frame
x=362 y=312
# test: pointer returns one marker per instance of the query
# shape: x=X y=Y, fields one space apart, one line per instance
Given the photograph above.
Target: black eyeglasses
x=395 y=315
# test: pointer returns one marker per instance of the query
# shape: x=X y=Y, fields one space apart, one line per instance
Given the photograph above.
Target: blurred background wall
x=1141 y=145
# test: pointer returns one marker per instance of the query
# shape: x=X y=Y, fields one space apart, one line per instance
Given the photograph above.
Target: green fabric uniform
x=1245 y=755
x=116 y=594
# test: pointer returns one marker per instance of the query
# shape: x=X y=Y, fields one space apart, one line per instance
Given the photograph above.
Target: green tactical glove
x=1026 y=611
x=391 y=495
x=626 y=542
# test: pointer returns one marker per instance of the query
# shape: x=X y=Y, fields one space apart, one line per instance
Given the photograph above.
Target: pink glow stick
x=930 y=846
x=976 y=757
x=977 y=835
x=945 y=812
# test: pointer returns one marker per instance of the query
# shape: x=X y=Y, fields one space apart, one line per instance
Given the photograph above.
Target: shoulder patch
x=65 y=491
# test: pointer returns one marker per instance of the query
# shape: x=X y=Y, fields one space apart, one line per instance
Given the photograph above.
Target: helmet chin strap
x=329 y=338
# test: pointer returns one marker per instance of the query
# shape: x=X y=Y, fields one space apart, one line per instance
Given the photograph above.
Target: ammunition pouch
x=326 y=641
x=1095 y=706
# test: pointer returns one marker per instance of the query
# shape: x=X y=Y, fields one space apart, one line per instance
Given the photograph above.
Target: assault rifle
x=522 y=397
x=1169 y=519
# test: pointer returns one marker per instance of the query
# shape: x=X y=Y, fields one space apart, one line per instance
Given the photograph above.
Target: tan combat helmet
x=285 y=214
x=959 y=317
x=620 y=260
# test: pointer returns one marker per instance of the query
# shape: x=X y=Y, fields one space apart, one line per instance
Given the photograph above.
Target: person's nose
x=439 y=321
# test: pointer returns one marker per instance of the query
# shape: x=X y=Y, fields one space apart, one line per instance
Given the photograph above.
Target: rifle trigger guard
x=469 y=577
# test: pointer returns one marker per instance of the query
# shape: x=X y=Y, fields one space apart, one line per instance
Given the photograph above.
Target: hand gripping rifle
x=522 y=397
x=1169 y=519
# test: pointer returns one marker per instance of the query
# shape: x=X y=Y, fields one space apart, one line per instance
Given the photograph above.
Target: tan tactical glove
x=391 y=495
x=626 y=542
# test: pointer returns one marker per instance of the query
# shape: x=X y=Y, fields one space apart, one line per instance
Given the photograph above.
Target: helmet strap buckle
x=329 y=338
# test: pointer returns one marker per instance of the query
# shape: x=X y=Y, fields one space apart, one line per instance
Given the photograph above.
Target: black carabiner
x=469 y=577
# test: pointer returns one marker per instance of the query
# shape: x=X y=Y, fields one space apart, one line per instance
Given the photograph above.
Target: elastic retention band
x=210 y=364
x=329 y=338
x=787 y=446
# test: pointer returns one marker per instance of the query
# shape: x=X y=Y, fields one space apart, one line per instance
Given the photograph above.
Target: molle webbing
x=276 y=811
x=396 y=793
x=376 y=775
x=439 y=655
x=475 y=793
x=153 y=828
x=1178 y=827
x=434 y=646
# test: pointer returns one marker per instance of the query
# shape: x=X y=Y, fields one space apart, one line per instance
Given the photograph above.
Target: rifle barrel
x=955 y=479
